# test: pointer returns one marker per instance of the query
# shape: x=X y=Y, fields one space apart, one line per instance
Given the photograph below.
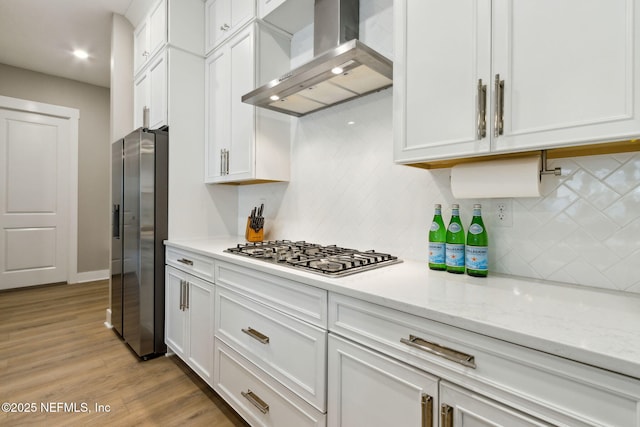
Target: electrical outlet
x=503 y=213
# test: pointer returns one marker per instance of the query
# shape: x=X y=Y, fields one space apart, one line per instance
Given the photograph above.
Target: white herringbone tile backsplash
x=346 y=190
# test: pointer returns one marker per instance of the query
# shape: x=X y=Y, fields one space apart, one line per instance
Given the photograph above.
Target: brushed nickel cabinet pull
x=481 y=125
x=256 y=401
x=446 y=415
x=498 y=128
x=181 y=295
x=185 y=261
x=226 y=167
x=186 y=293
x=438 y=350
x=427 y=410
x=256 y=335
x=221 y=161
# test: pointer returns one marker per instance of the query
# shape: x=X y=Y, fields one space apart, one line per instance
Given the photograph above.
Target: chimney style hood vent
x=343 y=68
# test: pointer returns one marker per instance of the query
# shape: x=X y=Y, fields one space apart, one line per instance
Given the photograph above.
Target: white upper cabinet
x=442 y=49
x=150 y=36
x=161 y=39
x=244 y=143
x=570 y=70
x=151 y=92
x=496 y=76
x=225 y=18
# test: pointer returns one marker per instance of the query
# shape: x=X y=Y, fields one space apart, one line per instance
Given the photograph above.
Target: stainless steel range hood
x=343 y=68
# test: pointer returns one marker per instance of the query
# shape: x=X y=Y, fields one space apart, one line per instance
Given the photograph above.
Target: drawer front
x=191 y=262
x=256 y=397
x=548 y=387
x=296 y=299
x=269 y=338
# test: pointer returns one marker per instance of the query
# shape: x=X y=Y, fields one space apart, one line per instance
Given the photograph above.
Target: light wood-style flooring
x=56 y=350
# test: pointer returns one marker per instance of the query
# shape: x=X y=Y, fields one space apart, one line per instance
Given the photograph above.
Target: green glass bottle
x=437 y=241
x=477 y=259
x=454 y=247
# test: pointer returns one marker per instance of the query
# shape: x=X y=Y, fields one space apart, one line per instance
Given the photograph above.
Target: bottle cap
x=455 y=206
x=438 y=206
x=477 y=206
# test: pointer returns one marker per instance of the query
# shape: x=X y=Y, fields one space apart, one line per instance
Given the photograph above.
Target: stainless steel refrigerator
x=139 y=203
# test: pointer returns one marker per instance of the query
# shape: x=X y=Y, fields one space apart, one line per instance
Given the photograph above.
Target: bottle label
x=455 y=255
x=454 y=227
x=476 y=229
x=477 y=258
x=434 y=226
x=436 y=253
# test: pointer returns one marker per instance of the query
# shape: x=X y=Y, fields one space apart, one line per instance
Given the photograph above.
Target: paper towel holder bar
x=545 y=170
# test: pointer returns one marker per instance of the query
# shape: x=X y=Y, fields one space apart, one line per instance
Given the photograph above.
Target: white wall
x=346 y=190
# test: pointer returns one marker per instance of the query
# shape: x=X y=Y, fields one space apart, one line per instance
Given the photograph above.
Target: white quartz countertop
x=591 y=326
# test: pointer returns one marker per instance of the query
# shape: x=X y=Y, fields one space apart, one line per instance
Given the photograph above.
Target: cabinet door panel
x=568 y=69
x=242 y=115
x=157 y=27
x=218 y=112
x=200 y=312
x=443 y=48
x=368 y=389
x=175 y=320
x=241 y=12
x=141 y=99
x=140 y=46
x=472 y=410
x=157 y=97
x=218 y=13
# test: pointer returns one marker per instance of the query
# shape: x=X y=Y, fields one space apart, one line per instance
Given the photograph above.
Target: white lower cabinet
x=257 y=397
x=189 y=320
x=463 y=408
x=380 y=360
x=271 y=347
x=369 y=389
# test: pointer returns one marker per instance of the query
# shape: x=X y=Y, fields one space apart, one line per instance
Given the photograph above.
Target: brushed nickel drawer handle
x=427 y=410
x=498 y=126
x=446 y=415
x=185 y=261
x=445 y=352
x=481 y=120
x=256 y=335
x=256 y=401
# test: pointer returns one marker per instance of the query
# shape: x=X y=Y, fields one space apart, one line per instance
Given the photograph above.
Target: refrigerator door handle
x=116 y=221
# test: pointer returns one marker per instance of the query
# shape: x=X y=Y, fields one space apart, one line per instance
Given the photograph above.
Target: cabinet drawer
x=546 y=386
x=293 y=298
x=191 y=262
x=257 y=397
x=269 y=339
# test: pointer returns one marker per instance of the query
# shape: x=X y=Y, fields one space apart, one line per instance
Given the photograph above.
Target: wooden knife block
x=251 y=235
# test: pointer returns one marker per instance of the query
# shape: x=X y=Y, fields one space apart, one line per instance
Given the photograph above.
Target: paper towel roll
x=518 y=177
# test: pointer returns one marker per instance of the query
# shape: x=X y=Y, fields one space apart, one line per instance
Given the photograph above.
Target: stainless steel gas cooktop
x=331 y=261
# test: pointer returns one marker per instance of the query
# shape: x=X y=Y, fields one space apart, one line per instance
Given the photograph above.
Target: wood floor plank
x=56 y=351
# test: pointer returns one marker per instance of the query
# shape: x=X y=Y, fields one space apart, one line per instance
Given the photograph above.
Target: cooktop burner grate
x=331 y=261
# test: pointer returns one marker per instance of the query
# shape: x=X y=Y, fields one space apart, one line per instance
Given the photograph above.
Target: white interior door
x=35 y=208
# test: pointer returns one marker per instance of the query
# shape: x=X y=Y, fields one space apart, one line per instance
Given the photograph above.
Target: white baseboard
x=108 y=323
x=90 y=276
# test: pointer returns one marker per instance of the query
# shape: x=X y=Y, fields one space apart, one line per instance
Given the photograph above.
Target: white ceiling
x=40 y=35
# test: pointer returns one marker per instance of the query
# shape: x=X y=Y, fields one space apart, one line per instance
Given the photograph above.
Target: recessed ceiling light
x=337 y=70
x=274 y=97
x=80 y=54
